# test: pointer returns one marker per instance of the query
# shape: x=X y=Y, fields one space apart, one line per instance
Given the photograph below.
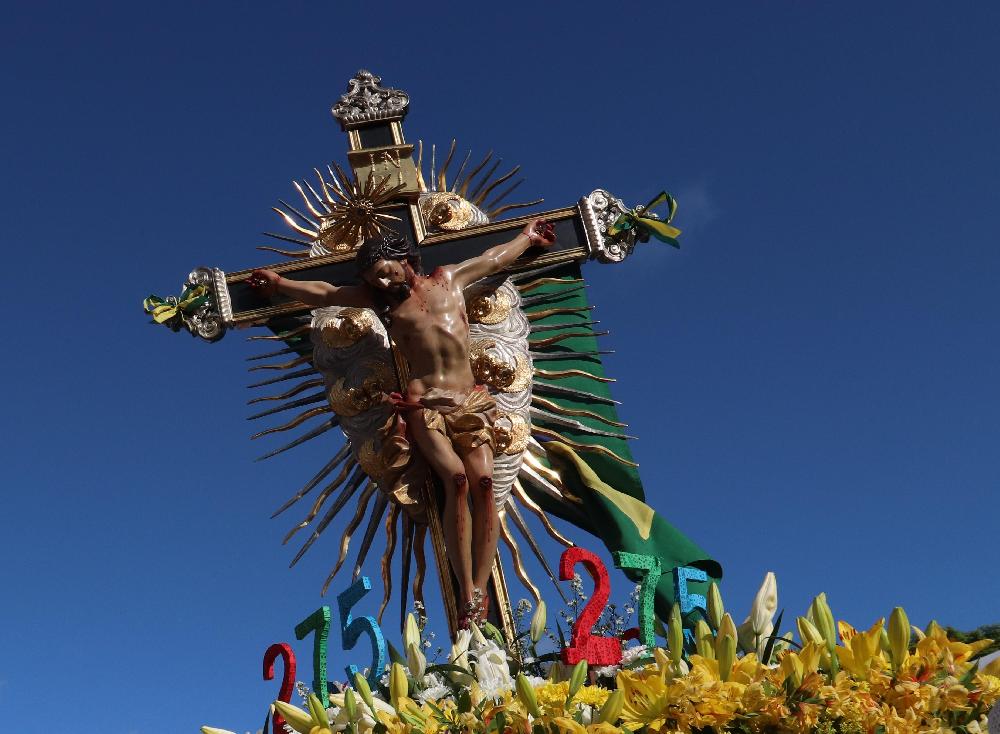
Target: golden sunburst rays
x=341 y=212
x=474 y=187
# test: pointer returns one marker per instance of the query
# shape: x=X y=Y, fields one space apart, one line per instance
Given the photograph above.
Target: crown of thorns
x=391 y=246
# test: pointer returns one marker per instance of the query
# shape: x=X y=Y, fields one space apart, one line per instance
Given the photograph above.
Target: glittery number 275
x=583 y=644
x=352 y=628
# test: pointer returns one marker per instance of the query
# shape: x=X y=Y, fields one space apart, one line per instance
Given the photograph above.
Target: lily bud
x=416 y=661
x=213 y=730
x=675 y=634
x=704 y=639
x=612 y=708
x=715 y=607
x=577 y=679
x=351 y=705
x=725 y=651
x=365 y=691
x=398 y=685
x=824 y=621
x=765 y=603
x=899 y=637
x=318 y=710
x=295 y=717
x=411 y=632
x=526 y=692
x=727 y=627
x=808 y=632
x=537 y=628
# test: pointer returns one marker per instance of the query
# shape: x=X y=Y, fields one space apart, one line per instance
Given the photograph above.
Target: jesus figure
x=447 y=415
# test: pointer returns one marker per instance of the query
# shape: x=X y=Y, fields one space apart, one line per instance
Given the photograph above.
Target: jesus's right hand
x=265 y=281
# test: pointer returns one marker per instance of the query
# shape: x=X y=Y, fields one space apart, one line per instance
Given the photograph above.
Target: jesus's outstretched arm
x=537 y=232
x=311 y=292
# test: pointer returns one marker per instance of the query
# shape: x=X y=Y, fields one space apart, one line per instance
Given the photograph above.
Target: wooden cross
x=372 y=118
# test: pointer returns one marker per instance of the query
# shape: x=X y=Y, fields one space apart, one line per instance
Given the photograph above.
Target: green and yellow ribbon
x=165 y=310
x=645 y=226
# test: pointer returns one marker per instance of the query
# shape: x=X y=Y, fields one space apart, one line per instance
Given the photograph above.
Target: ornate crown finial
x=366 y=101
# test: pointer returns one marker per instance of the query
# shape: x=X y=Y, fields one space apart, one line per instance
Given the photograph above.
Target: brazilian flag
x=604 y=490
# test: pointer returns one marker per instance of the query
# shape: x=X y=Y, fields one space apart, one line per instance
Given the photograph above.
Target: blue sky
x=812 y=377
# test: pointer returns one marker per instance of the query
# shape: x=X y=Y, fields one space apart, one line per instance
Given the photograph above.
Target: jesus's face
x=393 y=277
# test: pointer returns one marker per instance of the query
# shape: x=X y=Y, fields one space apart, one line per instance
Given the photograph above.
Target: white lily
x=765 y=604
x=492 y=668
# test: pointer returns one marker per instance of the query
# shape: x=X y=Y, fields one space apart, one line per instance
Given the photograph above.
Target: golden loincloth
x=467 y=420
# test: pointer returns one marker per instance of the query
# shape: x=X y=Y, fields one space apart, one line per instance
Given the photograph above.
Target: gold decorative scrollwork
x=348 y=327
x=513 y=440
x=352 y=401
x=490 y=308
x=494 y=371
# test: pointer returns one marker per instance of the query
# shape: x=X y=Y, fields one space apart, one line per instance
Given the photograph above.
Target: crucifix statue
x=456 y=352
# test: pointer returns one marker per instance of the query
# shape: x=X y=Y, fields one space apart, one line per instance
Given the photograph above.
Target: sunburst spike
x=420 y=556
x=300 y=360
x=537 y=511
x=298 y=254
x=288 y=394
x=490 y=206
x=556 y=408
x=539 y=416
x=335 y=185
x=421 y=184
x=309 y=205
x=308 y=436
x=308 y=220
x=294 y=225
x=511 y=207
x=544 y=387
x=515 y=553
x=464 y=187
x=555 y=327
x=551 y=296
x=282 y=336
x=349 y=182
x=321 y=499
x=296 y=421
x=522 y=526
x=550 y=340
x=563 y=374
x=433 y=177
x=283 y=378
x=386 y=563
x=381 y=503
x=542 y=471
x=282 y=237
x=319 y=199
x=481 y=197
x=524 y=275
x=442 y=181
x=311 y=484
x=309 y=400
x=461 y=169
x=530 y=474
x=349 y=490
x=485 y=179
x=345 y=539
x=286 y=350
x=595 y=448
x=325 y=188
x=547 y=281
x=406 y=560
x=539 y=315
x=542 y=356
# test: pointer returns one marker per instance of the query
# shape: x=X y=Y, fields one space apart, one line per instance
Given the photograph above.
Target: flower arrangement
x=835 y=679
